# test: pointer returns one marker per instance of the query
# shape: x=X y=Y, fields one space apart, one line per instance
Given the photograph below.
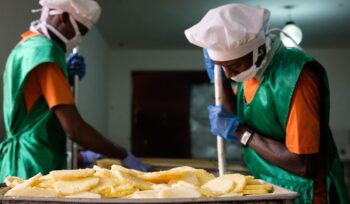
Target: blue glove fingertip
x=133 y=163
x=210 y=108
x=90 y=157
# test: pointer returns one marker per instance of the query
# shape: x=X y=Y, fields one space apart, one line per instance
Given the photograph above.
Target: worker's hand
x=132 y=162
x=209 y=66
x=89 y=157
x=223 y=123
x=76 y=66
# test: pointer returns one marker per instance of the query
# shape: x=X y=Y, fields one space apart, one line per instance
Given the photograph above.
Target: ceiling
x=159 y=24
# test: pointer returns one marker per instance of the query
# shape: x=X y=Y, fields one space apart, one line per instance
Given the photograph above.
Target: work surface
x=280 y=195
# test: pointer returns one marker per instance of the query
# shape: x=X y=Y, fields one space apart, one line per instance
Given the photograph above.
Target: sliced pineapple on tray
x=120 y=182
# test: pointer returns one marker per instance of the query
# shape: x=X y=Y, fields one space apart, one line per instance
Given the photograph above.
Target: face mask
x=69 y=43
x=251 y=72
x=246 y=75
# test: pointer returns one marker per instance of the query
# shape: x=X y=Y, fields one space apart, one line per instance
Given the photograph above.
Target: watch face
x=245 y=137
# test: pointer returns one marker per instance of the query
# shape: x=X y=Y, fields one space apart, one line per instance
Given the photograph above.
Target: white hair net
x=86 y=12
x=230 y=31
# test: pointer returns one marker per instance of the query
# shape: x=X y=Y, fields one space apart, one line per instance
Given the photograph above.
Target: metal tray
x=280 y=195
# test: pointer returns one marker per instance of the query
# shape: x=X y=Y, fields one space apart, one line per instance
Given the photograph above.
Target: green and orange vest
x=267 y=114
x=35 y=141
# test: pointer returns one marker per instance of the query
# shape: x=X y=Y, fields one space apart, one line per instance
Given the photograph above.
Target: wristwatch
x=247 y=135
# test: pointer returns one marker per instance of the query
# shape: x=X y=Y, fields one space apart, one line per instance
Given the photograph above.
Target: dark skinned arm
x=85 y=135
x=277 y=153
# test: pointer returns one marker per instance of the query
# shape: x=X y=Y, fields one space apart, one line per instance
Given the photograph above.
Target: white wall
x=15 y=18
x=336 y=62
x=93 y=90
x=122 y=63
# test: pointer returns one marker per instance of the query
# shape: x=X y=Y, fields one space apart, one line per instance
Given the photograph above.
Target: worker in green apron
x=38 y=106
x=282 y=104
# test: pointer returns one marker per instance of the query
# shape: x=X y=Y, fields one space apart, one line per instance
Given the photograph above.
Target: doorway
x=161 y=112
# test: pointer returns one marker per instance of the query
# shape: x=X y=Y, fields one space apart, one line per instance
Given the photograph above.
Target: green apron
x=267 y=114
x=35 y=141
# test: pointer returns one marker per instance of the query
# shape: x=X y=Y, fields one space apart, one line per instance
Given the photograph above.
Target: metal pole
x=218 y=101
x=72 y=156
x=69 y=154
x=75 y=146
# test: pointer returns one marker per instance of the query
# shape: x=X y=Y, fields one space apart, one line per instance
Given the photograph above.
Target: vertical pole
x=218 y=101
x=69 y=154
x=75 y=146
x=72 y=157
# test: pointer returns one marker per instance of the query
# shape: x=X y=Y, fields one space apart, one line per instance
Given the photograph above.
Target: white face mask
x=246 y=75
x=69 y=43
x=252 y=71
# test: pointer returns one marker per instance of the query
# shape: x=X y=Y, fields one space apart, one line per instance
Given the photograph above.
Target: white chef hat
x=230 y=31
x=87 y=12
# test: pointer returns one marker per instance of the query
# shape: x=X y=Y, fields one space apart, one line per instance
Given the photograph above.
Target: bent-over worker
x=282 y=103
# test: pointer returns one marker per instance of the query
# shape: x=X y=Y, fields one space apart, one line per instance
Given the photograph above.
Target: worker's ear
x=65 y=17
x=262 y=53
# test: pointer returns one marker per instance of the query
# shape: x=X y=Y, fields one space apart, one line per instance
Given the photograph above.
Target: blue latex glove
x=76 y=66
x=209 y=66
x=89 y=157
x=132 y=162
x=223 y=123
